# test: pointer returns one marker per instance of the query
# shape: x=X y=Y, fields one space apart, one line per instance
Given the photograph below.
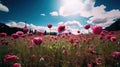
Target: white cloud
x=71 y=24
x=73 y=7
x=31 y=26
x=3 y=8
x=54 y=13
x=42 y=14
x=14 y=24
x=86 y=8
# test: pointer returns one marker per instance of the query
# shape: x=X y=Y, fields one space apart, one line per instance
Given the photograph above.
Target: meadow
x=98 y=49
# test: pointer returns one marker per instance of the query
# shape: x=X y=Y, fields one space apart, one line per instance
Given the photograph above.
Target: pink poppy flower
x=25 y=30
x=87 y=26
x=31 y=46
x=98 y=61
x=20 y=33
x=3 y=34
x=37 y=41
x=97 y=29
x=78 y=31
x=33 y=56
x=17 y=65
x=15 y=36
x=108 y=36
x=61 y=28
x=49 y=25
x=116 y=54
x=70 y=33
x=100 y=37
x=65 y=52
x=89 y=65
x=8 y=58
x=113 y=39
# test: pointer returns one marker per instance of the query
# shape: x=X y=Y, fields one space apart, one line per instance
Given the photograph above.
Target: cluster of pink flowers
x=107 y=35
x=18 y=34
x=54 y=37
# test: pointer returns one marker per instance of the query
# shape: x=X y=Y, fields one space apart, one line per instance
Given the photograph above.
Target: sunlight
x=71 y=6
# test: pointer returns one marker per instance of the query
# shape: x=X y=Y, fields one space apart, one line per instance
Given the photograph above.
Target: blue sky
x=69 y=12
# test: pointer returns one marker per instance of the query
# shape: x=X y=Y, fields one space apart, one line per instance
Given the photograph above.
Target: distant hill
x=114 y=27
x=9 y=30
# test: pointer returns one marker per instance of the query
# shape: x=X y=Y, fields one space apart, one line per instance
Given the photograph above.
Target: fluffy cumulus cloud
x=73 y=24
x=86 y=8
x=54 y=13
x=42 y=14
x=3 y=8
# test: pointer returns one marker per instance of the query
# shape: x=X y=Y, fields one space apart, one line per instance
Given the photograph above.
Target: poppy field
x=97 y=49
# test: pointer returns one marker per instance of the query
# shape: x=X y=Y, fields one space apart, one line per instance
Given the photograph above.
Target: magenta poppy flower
x=37 y=41
x=78 y=31
x=17 y=65
x=24 y=35
x=8 y=58
x=116 y=54
x=108 y=36
x=71 y=40
x=20 y=33
x=104 y=32
x=61 y=28
x=97 y=29
x=3 y=34
x=25 y=30
x=113 y=39
x=15 y=36
x=33 y=56
x=65 y=52
x=101 y=37
x=49 y=25
x=70 y=33
x=30 y=47
x=98 y=61
x=89 y=65
x=87 y=26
